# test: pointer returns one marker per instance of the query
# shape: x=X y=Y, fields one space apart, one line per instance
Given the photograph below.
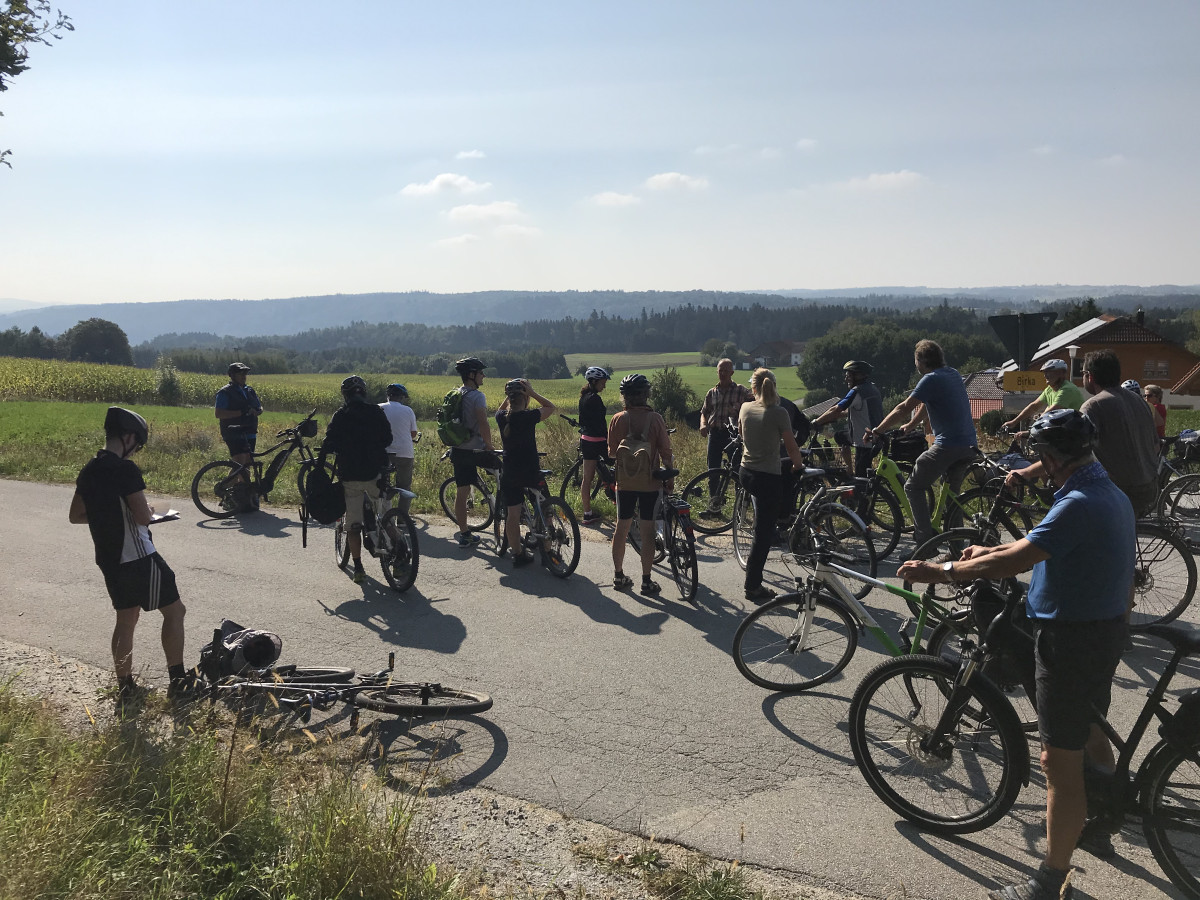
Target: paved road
x=620 y=709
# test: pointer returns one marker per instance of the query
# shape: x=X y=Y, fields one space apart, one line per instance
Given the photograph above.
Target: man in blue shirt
x=945 y=400
x=1082 y=555
x=238 y=409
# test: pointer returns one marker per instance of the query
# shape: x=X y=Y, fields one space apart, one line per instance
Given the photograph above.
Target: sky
x=168 y=150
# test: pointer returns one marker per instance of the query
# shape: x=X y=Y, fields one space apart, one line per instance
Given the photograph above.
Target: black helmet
x=858 y=367
x=353 y=387
x=514 y=387
x=469 y=364
x=397 y=390
x=237 y=367
x=119 y=422
x=1066 y=431
x=635 y=384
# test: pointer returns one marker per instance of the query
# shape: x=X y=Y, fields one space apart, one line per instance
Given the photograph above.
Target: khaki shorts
x=355 y=491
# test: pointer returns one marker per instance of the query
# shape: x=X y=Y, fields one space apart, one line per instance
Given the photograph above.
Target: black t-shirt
x=520 y=444
x=359 y=433
x=103 y=484
x=591 y=415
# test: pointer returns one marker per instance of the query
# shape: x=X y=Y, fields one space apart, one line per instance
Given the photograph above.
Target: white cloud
x=443 y=183
x=806 y=144
x=1117 y=159
x=457 y=241
x=1042 y=150
x=518 y=231
x=500 y=211
x=612 y=198
x=676 y=181
x=770 y=153
x=713 y=150
x=470 y=154
x=884 y=181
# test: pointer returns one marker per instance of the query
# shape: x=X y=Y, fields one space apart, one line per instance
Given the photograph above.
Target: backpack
x=451 y=430
x=634 y=469
x=234 y=649
x=324 y=498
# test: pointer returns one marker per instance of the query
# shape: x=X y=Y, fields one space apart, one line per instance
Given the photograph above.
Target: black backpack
x=324 y=499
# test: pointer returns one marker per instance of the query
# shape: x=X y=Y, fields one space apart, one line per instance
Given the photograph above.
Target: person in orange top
x=1154 y=395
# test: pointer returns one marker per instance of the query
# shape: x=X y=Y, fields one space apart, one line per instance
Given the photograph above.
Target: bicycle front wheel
x=481 y=504
x=712 y=494
x=341 y=547
x=963 y=780
x=398 y=554
x=945 y=643
x=309 y=675
x=780 y=647
x=884 y=519
x=423 y=700
x=1171 y=821
x=743 y=526
x=945 y=547
x=682 y=552
x=572 y=483
x=214 y=488
x=1164 y=580
x=560 y=549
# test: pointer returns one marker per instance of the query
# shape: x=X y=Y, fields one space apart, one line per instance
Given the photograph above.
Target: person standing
x=945 y=401
x=863 y=405
x=463 y=456
x=1082 y=556
x=110 y=498
x=1060 y=393
x=238 y=409
x=721 y=404
x=401 y=452
x=637 y=424
x=522 y=466
x=359 y=434
x=1154 y=397
x=764 y=424
x=593 y=436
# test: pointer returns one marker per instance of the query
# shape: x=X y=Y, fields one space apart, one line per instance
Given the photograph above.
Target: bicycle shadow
x=812 y=702
x=437 y=757
x=411 y=619
x=262 y=523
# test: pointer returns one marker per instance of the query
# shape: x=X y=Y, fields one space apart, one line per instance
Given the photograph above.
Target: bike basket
x=307 y=428
x=908 y=447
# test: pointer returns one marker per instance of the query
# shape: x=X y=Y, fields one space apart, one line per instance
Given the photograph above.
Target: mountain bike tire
x=1171 y=821
x=562 y=556
x=341 y=546
x=709 y=517
x=681 y=544
x=402 y=561
x=767 y=650
x=572 y=483
x=212 y=488
x=423 y=700
x=1164 y=580
x=481 y=507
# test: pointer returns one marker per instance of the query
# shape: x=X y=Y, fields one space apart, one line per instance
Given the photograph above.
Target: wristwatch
x=948 y=568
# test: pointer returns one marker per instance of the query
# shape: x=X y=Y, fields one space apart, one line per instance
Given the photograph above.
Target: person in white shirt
x=404 y=433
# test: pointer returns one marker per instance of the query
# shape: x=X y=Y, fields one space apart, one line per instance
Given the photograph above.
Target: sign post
x=1022 y=334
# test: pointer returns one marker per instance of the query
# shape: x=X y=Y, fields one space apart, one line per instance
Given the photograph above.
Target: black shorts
x=464 y=462
x=147 y=582
x=630 y=501
x=239 y=444
x=1074 y=667
x=593 y=449
x=512 y=487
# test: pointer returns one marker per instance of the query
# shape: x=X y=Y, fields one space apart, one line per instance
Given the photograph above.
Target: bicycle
x=605 y=478
x=550 y=526
x=942 y=747
x=388 y=534
x=714 y=491
x=223 y=488
x=481 y=496
x=676 y=542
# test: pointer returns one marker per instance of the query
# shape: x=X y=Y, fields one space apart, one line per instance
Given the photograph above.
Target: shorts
x=240 y=443
x=147 y=582
x=512 y=487
x=629 y=501
x=355 y=491
x=464 y=462
x=593 y=449
x=1074 y=667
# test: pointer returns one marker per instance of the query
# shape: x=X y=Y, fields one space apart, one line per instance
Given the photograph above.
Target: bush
x=170 y=389
x=990 y=421
x=670 y=394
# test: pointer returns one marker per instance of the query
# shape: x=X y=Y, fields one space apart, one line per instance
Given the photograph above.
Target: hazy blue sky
x=170 y=150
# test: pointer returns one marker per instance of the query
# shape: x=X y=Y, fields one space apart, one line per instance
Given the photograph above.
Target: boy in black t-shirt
x=110 y=499
x=522 y=466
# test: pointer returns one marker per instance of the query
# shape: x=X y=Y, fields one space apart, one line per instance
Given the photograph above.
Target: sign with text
x=1024 y=381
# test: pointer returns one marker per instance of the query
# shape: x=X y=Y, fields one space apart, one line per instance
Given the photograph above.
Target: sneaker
x=760 y=594
x=466 y=538
x=591 y=517
x=131 y=698
x=522 y=559
x=622 y=582
x=650 y=587
x=1039 y=887
x=182 y=691
x=1097 y=840
x=360 y=574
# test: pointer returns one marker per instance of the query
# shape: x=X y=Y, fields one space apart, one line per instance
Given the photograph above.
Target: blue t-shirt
x=1089 y=534
x=945 y=397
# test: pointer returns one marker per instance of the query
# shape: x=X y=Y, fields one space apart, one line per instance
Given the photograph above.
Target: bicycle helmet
x=395 y=391
x=595 y=373
x=236 y=367
x=858 y=367
x=119 y=422
x=635 y=384
x=469 y=364
x=514 y=387
x=354 y=387
x=1051 y=365
x=1066 y=431
x=1131 y=385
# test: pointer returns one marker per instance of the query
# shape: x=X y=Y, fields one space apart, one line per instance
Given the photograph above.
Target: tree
x=25 y=22
x=98 y=341
x=671 y=395
x=1077 y=314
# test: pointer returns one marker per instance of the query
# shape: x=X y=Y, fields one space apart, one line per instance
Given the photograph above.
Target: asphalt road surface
x=620 y=709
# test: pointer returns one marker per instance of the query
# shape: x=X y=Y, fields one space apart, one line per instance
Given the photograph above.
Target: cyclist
x=238 y=409
x=764 y=424
x=637 y=423
x=110 y=498
x=359 y=434
x=863 y=405
x=945 y=401
x=1060 y=393
x=1154 y=397
x=522 y=466
x=721 y=403
x=1082 y=556
x=463 y=457
x=593 y=437
x=403 y=422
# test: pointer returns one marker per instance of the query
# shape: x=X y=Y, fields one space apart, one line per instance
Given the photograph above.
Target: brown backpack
x=635 y=470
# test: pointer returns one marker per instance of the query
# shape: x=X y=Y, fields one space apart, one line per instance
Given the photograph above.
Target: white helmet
x=1131 y=385
x=1051 y=364
x=595 y=372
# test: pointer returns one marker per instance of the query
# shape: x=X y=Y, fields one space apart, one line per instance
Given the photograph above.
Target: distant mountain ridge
x=145 y=321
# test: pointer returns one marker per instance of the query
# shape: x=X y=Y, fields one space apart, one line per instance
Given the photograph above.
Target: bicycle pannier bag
x=308 y=428
x=1188 y=445
x=908 y=447
x=237 y=650
x=451 y=430
x=634 y=472
x=325 y=500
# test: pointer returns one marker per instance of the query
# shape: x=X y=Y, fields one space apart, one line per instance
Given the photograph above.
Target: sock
x=1051 y=878
x=126 y=683
x=175 y=672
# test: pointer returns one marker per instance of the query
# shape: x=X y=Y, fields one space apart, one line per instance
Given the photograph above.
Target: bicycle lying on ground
x=549 y=527
x=388 y=534
x=224 y=488
x=481 y=496
x=942 y=747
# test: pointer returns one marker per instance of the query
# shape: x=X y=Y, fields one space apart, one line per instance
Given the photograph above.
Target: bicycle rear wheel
x=341 y=547
x=682 y=544
x=215 y=488
x=560 y=550
x=1164 y=580
x=481 y=503
x=841 y=532
x=1171 y=821
x=712 y=506
x=309 y=675
x=423 y=700
x=772 y=648
x=398 y=555
x=966 y=780
x=743 y=526
x=881 y=513
x=945 y=547
x=572 y=483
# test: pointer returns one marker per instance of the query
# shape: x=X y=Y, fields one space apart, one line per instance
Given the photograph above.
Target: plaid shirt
x=721 y=404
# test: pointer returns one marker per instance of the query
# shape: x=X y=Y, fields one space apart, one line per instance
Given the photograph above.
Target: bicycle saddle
x=665 y=474
x=1181 y=637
